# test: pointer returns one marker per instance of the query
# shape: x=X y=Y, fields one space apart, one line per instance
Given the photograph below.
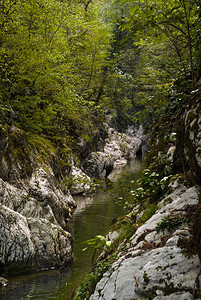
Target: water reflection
x=132 y=168
x=93 y=216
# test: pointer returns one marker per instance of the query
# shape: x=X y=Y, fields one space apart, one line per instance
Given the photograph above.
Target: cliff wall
x=37 y=182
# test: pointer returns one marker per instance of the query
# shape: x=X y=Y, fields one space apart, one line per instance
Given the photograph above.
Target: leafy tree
x=166 y=39
x=51 y=56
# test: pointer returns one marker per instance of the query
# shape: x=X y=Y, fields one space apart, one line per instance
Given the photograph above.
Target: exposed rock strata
x=36 y=197
x=32 y=221
x=34 y=209
x=154 y=264
x=118 y=149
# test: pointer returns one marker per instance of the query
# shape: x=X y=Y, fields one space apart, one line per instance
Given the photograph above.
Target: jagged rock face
x=40 y=198
x=32 y=218
x=118 y=149
x=34 y=209
x=98 y=164
x=154 y=263
x=43 y=187
x=31 y=244
x=81 y=182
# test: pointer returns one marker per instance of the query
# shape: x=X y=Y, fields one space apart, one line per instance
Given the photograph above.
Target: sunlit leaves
x=51 y=54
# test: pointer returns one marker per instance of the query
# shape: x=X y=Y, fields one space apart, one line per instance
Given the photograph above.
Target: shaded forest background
x=66 y=65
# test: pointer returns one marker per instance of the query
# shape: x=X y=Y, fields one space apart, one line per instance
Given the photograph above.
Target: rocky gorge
x=160 y=258
x=36 y=197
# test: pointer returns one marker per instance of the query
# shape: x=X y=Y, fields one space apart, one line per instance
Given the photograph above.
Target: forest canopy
x=65 y=64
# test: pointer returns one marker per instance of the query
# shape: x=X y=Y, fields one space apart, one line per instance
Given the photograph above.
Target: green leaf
x=133 y=10
x=84 y=249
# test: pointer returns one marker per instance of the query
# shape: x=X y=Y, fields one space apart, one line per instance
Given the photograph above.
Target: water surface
x=93 y=216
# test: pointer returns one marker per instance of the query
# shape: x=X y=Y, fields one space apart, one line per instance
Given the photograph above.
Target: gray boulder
x=98 y=164
x=30 y=244
x=119 y=148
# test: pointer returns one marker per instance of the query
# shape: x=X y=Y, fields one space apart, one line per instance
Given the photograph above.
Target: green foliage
x=88 y=285
x=148 y=188
x=125 y=227
x=164 y=38
x=71 y=182
x=64 y=64
x=41 y=144
x=97 y=243
x=149 y=211
x=170 y=223
x=52 y=54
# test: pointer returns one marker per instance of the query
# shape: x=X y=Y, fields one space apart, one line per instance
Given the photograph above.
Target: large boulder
x=98 y=164
x=31 y=244
x=119 y=148
x=40 y=197
x=80 y=183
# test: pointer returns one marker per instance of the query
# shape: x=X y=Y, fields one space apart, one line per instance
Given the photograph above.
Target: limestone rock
x=154 y=264
x=98 y=164
x=81 y=183
x=52 y=245
x=31 y=217
x=40 y=198
x=44 y=189
x=119 y=148
x=31 y=244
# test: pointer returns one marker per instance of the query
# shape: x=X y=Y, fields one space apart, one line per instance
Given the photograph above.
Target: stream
x=93 y=216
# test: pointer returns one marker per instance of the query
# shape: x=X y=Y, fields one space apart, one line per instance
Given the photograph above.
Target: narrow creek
x=92 y=216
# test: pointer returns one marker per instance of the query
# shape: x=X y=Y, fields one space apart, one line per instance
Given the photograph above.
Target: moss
x=86 y=137
x=123 y=146
x=192 y=245
x=184 y=157
x=146 y=278
x=88 y=285
x=188 y=246
x=41 y=144
x=170 y=223
x=18 y=153
x=150 y=209
x=161 y=280
x=196 y=228
x=169 y=289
